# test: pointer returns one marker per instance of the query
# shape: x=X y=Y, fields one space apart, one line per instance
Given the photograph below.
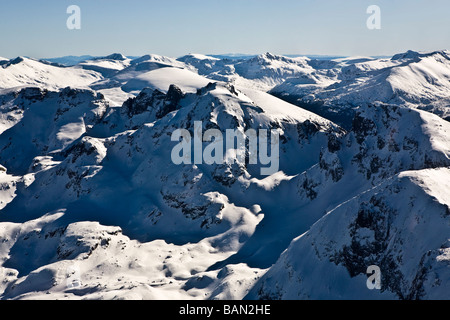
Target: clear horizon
x=176 y=28
x=227 y=55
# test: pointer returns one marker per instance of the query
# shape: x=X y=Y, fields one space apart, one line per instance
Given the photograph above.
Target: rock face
x=374 y=193
x=161 y=104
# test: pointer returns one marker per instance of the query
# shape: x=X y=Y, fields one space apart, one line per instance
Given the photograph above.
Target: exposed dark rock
x=307 y=129
x=142 y=102
x=362 y=127
x=33 y=94
x=334 y=143
x=171 y=101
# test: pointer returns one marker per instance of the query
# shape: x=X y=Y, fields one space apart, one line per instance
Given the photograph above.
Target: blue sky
x=177 y=27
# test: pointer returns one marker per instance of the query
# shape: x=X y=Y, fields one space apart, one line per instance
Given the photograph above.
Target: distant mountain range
x=73 y=60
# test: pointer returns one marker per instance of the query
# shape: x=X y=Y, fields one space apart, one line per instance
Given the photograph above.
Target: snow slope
x=379 y=228
x=48 y=122
x=28 y=72
x=161 y=79
x=7 y=187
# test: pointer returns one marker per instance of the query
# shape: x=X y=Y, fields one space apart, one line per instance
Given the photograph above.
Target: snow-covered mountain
x=93 y=206
x=25 y=72
x=419 y=80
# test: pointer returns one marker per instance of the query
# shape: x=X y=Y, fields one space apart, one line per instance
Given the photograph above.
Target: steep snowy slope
x=400 y=226
x=7 y=187
x=10 y=114
x=385 y=141
x=46 y=123
x=28 y=72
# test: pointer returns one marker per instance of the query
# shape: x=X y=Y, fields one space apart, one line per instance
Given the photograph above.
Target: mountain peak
x=415 y=55
x=410 y=54
x=114 y=56
x=146 y=57
x=196 y=56
x=269 y=56
x=16 y=60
